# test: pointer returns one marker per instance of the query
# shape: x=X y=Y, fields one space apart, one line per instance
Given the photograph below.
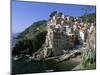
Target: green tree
x=86 y=10
x=53 y=13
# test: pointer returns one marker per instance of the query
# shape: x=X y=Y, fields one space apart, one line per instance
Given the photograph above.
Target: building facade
x=60 y=36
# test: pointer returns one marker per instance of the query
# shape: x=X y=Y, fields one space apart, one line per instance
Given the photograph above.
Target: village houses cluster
x=63 y=27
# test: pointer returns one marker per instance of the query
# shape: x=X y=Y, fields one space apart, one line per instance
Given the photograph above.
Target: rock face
x=62 y=36
x=91 y=38
x=59 y=38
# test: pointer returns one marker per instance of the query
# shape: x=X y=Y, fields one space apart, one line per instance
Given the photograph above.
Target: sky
x=25 y=14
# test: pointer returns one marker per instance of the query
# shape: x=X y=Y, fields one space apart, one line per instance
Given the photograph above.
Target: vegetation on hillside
x=89 y=59
x=33 y=30
x=90 y=18
x=31 y=39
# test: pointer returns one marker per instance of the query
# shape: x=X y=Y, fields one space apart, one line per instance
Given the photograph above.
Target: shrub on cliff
x=89 y=59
